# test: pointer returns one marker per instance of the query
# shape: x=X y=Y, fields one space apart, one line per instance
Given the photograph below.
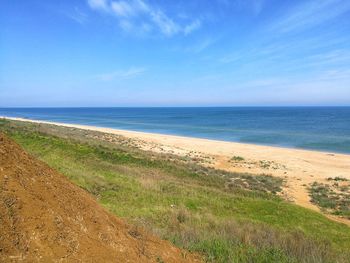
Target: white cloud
x=128 y=9
x=121 y=74
x=138 y=15
x=192 y=27
x=98 y=4
x=122 y=8
x=165 y=24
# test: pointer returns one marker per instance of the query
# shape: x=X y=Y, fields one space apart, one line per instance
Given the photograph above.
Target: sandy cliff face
x=44 y=217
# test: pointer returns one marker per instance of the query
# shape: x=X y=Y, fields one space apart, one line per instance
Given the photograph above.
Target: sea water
x=316 y=128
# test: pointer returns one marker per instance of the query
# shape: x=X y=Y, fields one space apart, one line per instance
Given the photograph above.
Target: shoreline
x=298 y=167
x=133 y=133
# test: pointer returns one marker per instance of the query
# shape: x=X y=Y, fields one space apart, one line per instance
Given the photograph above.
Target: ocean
x=315 y=128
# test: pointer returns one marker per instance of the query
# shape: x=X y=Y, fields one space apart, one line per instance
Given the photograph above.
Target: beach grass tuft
x=333 y=197
x=237 y=159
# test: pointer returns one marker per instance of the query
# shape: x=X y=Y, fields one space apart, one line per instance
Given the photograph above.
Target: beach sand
x=298 y=167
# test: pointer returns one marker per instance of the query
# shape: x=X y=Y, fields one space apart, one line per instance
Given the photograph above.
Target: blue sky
x=174 y=53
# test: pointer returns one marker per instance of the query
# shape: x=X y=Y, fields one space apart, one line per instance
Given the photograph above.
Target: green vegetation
x=337 y=178
x=227 y=217
x=237 y=159
x=334 y=197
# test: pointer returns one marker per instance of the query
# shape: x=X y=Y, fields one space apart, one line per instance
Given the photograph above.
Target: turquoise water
x=317 y=128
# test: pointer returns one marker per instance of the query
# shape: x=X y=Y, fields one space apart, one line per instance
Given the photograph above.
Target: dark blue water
x=318 y=128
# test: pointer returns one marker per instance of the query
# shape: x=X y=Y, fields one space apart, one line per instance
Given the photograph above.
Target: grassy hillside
x=227 y=217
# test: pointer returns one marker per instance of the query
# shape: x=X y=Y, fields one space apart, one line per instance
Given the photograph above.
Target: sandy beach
x=299 y=168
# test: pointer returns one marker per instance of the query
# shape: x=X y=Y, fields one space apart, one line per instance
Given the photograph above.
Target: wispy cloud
x=98 y=4
x=231 y=58
x=121 y=74
x=254 y=6
x=338 y=74
x=129 y=8
x=77 y=15
x=165 y=24
x=319 y=88
x=332 y=57
x=139 y=15
x=188 y=29
x=201 y=45
x=310 y=14
x=291 y=43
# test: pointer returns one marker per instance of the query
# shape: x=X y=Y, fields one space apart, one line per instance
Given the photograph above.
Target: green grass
x=203 y=210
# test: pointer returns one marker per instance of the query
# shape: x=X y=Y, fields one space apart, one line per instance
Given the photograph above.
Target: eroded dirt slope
x=45 y=218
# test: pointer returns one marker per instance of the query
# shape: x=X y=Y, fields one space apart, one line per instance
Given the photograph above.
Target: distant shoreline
x=133 y=134
x=324 y=129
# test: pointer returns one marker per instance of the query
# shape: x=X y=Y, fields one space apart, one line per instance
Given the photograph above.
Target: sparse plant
x=337 y=178
x=237 y=159
x=333 y=198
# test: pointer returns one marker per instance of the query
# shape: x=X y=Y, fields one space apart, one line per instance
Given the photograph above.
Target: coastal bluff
x=45 y=218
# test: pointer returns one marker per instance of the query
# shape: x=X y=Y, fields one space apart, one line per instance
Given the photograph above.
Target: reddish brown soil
x=45 y=218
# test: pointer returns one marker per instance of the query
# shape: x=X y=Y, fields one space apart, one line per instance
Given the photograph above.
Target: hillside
x=44 y=216
x=226 y=217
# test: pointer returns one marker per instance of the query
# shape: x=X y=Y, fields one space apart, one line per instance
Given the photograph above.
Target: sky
x=77 y=53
